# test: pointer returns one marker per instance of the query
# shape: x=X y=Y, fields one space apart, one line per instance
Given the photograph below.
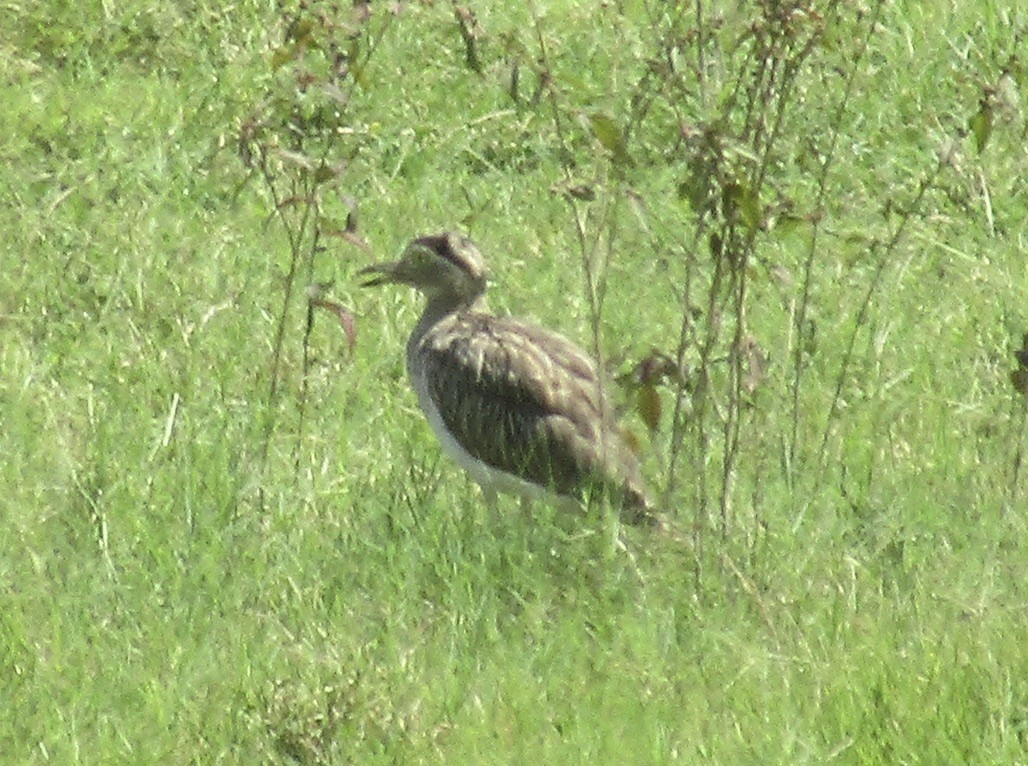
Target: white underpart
x=491 y=480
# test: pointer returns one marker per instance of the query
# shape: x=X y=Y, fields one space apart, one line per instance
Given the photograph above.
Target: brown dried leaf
x=632 y=440
x=657 y=367
x=647 y=404
x=581 y=191
x=345 y=317
x=331 y=228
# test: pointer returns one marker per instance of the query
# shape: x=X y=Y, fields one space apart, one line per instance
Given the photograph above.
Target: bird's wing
x=523 y=400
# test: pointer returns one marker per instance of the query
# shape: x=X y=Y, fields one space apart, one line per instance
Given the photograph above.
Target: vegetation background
x=794 y=231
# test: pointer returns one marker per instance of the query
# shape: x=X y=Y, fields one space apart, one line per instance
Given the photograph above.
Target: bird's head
x=444 y=266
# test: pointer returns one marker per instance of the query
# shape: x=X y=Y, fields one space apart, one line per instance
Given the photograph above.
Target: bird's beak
x=380 y=274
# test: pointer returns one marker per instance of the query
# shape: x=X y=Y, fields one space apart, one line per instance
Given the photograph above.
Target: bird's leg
x=492 y=502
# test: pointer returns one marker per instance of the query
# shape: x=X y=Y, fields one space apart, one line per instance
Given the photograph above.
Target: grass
x=171 y=595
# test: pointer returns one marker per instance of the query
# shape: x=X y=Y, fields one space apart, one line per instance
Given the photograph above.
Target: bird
x=520 y=408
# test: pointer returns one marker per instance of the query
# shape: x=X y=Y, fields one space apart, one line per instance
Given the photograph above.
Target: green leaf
x=695 y=189
x=981 y=127
x=325 y=173
x=745 y=203
x=330 y=226
x=283 y=55
x=609 y=135
x=301 y=31
x=1019 y=378
x=789 y=224
x=353 y=60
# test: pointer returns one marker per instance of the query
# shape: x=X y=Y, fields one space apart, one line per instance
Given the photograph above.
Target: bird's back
x=525 y=402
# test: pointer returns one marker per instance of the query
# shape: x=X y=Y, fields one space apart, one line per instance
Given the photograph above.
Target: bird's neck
x=441 y=306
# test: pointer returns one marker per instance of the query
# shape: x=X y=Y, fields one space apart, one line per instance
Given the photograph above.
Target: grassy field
x=196 y=568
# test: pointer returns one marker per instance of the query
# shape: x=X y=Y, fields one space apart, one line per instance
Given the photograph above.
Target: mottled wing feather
x=525 y=401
